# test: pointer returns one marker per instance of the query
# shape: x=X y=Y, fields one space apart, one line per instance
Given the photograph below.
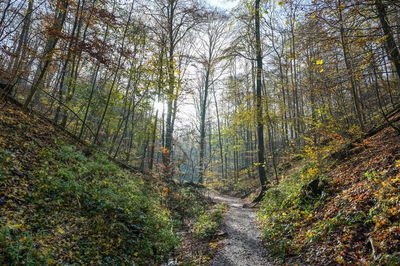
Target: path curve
x=242 y=246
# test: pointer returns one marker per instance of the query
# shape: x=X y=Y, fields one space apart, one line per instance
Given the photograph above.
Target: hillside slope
x=338 y=211
x=59 y=203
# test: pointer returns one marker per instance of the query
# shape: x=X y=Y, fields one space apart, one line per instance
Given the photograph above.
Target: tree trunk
x=153 y=142
x=356 y=100
x=202 y=125
x=20 y=52
x=391 y=47
x=259 y=109
x=48 y=51
x=116 y=74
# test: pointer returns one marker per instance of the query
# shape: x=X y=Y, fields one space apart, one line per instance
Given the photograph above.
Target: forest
x=199 y=132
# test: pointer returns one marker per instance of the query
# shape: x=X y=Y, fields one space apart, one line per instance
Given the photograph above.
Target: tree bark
x=153 y=142
x=202 y=125
x=391 y=47
x=259 y=109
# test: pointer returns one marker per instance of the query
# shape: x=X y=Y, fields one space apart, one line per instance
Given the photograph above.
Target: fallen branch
x=371 y=241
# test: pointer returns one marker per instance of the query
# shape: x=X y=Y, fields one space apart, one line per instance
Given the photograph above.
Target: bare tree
x=212 y=53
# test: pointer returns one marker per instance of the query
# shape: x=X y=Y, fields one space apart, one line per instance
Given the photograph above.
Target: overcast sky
x=225 y=4
x=186 y=109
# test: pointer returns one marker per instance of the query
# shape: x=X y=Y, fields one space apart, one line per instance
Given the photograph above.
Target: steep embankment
x=60 y=204
x=338 y=208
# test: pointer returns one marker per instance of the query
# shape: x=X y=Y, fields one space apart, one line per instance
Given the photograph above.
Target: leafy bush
x=209 y=222
x=16 y=251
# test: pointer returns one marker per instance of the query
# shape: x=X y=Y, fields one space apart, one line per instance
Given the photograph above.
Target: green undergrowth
x=59 y=206
x=284 y=205
x=328 y=211
x=209 y=222
x=185 y=202
x=73 y=209
x=201 y=241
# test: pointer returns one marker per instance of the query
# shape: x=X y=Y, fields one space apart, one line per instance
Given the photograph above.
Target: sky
x=186 y=110
x=225 y=4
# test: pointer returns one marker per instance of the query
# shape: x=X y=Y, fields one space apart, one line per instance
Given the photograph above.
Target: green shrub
x=17 y=249
x=209 y=222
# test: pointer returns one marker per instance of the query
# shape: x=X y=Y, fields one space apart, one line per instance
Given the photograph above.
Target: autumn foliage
x=355 y=217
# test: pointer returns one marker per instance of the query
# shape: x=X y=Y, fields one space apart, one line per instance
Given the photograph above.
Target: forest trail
x=242 y=246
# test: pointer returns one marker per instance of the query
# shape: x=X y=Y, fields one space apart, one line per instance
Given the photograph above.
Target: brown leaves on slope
x=364 y=204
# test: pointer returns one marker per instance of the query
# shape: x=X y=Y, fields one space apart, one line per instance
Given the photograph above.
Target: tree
x=175 y=19
x=259 y=109
x=54 y=35
x=212 y=49
x=391 y=46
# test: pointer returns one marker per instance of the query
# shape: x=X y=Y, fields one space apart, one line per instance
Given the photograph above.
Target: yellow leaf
x=16 y=226
x=340 y=259
x=49 y=261
x=136 y=254
x=322 y=70
x=61 y=231
x=280 y=3
x=320 y=62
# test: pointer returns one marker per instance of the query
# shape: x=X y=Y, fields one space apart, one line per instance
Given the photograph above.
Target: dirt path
x=242 y=245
